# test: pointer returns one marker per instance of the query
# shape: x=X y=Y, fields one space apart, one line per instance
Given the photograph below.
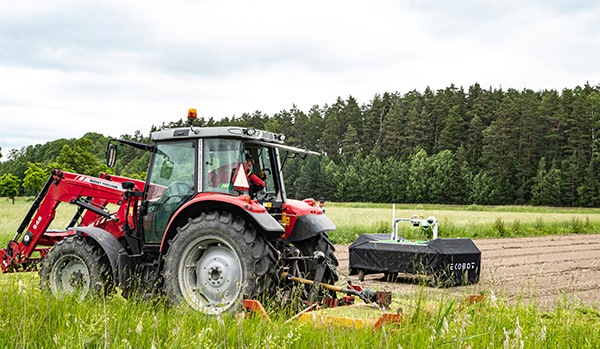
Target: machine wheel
x=77 y=267
x=361 y=275
x=215 y=261
x=308 y=247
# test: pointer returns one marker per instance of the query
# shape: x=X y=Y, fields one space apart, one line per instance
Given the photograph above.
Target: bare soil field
x=540 y=269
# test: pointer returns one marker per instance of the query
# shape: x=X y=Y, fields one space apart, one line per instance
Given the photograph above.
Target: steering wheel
x=176 y=189
x=261 y=195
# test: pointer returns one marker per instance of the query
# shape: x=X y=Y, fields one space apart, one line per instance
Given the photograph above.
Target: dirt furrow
x=544 y=269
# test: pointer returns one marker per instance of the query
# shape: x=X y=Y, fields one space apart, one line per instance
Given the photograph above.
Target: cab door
x=172 y=181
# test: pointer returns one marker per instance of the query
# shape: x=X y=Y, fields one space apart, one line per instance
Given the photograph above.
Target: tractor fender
x=107 y=242
x=309 y=225
x=251 y=211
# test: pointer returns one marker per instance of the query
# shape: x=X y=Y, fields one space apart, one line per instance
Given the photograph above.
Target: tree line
x=450 y=146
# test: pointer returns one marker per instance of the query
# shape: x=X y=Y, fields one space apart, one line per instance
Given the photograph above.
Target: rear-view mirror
x=166 y=169
x=111 y=155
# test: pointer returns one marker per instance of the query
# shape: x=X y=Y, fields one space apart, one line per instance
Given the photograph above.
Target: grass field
x=31 y=318
x=463 y=221
x=353 y=219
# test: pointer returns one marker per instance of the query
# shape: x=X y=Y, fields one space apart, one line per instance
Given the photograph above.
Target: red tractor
x=197 y=229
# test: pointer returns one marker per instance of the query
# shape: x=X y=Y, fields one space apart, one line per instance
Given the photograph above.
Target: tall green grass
x=31 y=318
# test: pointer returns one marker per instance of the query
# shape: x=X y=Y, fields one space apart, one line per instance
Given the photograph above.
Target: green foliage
x=450 y=137
x=350 y=143
x=500 y=227
x=34 y=178
x=472 y=207
x=444 y=183
x=105 y=169
x=138 y=176
x=55 y=166
x=79 y=159
x=418 y=173
x=589 y=190
x=10 y=186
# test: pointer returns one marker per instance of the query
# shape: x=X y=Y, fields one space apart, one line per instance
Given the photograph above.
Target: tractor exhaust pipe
x=369 y=296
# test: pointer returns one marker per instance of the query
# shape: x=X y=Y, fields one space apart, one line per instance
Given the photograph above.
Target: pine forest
x=451 y=146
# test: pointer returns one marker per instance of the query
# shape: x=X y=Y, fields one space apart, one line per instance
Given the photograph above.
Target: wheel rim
x=70 y=275
x=210 y=275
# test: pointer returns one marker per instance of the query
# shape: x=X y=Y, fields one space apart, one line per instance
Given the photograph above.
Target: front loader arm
x=91 y=194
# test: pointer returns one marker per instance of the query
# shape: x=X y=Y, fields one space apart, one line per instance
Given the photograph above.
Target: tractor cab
x=192 y=163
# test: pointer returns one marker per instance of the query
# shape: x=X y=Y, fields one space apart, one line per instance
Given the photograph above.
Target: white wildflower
x=518 y=330
x=493 y=299
x=22 y=288
x=139 y=327
x=543 y=333
x=445 y=326
x=175 y=331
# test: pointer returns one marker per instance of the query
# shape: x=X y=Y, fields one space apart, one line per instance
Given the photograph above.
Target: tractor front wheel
x=76 y=267
x=214 y=262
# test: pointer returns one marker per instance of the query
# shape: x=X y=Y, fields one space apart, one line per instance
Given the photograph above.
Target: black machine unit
x=449 y=262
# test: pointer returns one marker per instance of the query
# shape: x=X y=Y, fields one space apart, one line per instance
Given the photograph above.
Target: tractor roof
x=218 y=132
x=252 y=135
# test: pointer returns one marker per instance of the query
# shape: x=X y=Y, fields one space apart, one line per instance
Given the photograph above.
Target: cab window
x=265 y=169
x=221 y=159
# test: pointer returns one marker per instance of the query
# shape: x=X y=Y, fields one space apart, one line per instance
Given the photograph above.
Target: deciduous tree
x=34 y=177
x=10 y=186
x=79 y=159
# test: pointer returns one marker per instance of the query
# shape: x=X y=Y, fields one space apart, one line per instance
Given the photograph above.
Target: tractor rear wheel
x=215 y=261
x=76 y=267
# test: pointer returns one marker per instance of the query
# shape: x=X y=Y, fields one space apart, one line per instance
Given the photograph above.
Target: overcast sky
x=114 y=67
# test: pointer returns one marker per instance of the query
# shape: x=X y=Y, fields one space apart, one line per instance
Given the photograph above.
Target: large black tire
x=76 y=267
x=308 y=247
x=215 y=261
